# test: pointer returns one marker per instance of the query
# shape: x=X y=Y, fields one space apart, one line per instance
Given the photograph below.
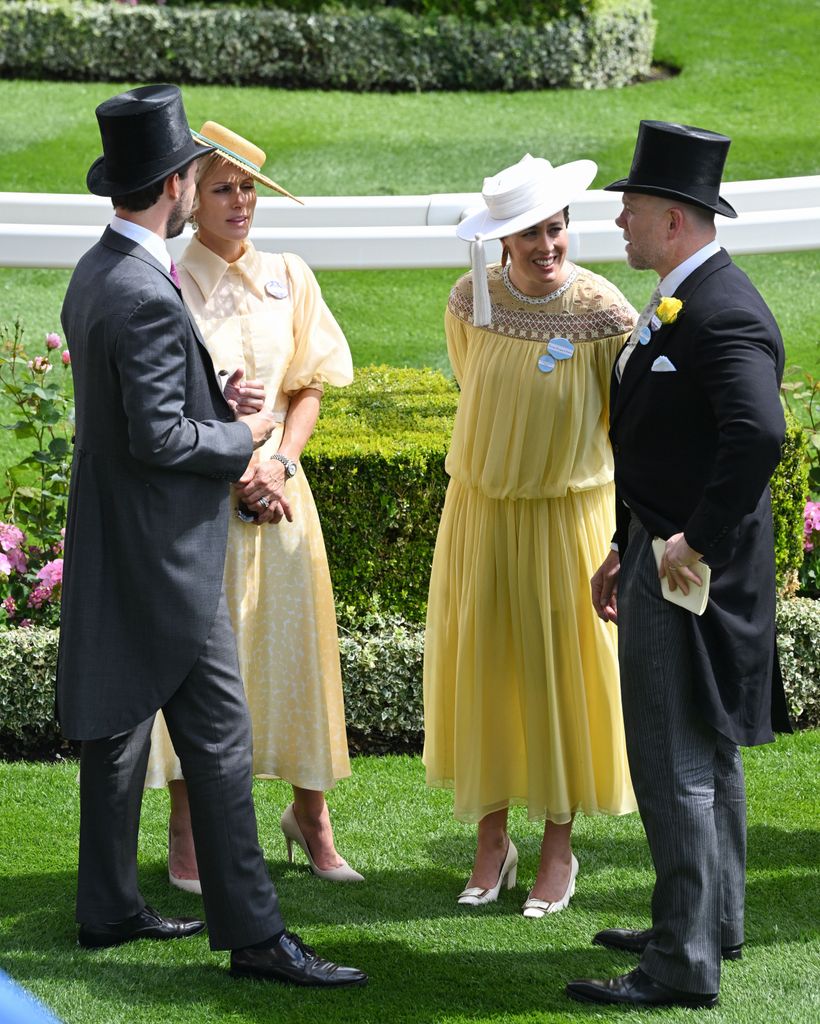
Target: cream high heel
x=537 y=908
x=186 y=884
x=475 y=897
x=293 y=834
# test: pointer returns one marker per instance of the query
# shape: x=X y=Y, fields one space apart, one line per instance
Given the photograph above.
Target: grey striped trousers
x=688 y=781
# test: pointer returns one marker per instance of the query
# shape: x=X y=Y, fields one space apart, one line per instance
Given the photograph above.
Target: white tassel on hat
x=481 y=293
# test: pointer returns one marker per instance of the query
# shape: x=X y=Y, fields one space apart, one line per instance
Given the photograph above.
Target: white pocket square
x=664 y=365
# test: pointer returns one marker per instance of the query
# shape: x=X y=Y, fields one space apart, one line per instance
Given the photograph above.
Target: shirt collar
x=142 y=236
x=675 y=278
x=207 y=269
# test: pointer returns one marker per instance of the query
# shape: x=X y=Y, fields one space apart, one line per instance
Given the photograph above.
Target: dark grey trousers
x=689 y=784
x=210 y=727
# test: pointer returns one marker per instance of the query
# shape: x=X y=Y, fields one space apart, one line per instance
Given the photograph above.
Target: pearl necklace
x=536 y=300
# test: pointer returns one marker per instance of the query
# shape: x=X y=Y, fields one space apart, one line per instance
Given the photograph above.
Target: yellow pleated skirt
x=521 y=688
x=280 y=599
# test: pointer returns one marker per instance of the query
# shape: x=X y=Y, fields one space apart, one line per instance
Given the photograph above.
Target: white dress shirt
x=142 y=236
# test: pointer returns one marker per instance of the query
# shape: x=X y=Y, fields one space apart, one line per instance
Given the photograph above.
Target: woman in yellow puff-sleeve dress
x=263 y=313
x=521 y=686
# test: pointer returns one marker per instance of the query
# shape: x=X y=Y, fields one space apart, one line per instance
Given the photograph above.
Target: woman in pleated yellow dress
x=521 y=687
x=263 y=314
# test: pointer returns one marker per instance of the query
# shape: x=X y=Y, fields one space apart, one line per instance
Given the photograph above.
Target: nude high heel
x=186 y=884
x=475 y=897
x=293 y=834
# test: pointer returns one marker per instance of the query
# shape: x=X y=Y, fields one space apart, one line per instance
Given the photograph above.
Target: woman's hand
x=605 y=588
x=244 y=396
x=262 y=489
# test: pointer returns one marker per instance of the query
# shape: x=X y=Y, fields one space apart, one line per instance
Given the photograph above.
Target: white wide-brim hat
x=516 y=198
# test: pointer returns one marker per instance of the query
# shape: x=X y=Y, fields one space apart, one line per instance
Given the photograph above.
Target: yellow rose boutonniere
x=668 y=310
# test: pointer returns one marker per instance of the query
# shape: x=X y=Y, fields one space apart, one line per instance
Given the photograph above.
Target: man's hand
x=605 y=588
x=244 y=396
x=676 y=562
x=260 y=424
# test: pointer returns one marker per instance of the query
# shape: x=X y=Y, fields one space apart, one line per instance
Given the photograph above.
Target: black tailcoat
x=694 y=450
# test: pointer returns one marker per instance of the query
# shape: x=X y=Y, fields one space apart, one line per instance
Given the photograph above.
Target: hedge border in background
x=386 y=49
x=382 y=674
x=376 y=468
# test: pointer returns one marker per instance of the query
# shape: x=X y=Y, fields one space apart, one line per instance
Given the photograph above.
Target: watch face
x=290 y=469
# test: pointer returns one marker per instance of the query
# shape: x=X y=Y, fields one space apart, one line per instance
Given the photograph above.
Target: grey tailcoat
x=155 y=447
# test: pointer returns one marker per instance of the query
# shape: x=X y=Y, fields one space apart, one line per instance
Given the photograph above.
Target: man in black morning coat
x=144 y=623
x=696 y=430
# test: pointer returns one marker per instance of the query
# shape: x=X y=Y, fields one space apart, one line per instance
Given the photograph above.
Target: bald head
x=661 y=232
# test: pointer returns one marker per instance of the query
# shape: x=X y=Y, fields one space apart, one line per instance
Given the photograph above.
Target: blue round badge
x=645 y=336
x=546 y=364
x=560 y=348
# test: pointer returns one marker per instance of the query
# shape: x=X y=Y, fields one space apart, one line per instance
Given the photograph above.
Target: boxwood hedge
x=385 y=48
x=382 y=673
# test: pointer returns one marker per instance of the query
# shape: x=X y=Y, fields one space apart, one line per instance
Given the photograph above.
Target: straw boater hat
x=239 y=152
x=516 y=198
x=680 y=162
x=145 y=137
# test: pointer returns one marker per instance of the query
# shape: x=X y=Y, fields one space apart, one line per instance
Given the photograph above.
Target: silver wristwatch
x=289 y=464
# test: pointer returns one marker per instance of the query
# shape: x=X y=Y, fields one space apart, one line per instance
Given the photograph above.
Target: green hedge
x=376 y=468
x=384 y=49
x=382 y=673
x=538 y=11
x=790 y=488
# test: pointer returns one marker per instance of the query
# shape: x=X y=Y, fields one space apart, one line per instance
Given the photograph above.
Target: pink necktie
x=174 y=274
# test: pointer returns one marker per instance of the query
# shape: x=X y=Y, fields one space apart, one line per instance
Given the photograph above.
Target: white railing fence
x=383 y=232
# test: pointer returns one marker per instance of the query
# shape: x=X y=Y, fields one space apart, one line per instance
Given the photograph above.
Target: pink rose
x=66 y=358
x=39 y=364
x=5 y=565
x=9 y=605
x=53 y=341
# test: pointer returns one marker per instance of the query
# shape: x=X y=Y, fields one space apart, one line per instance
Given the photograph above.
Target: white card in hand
x=695 y=601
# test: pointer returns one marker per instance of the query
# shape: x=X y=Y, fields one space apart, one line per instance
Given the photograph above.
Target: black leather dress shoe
x=636 y=942
x=147 y=924
x=636 y=989
x=289 y=959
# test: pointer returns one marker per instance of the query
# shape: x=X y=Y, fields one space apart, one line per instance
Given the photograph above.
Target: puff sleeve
x=321 y=353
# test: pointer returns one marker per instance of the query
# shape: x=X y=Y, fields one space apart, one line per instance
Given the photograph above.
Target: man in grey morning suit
x=144 y=623
x=696 y=429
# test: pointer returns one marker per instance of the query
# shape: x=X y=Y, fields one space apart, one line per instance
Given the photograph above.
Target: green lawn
x=748 y=70
x=428 y=959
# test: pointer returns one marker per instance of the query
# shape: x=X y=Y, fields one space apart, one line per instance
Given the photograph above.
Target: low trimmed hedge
x=385 y=49
x=790 y=489
x=538 y=11
x=382 y=673
x=376 y=469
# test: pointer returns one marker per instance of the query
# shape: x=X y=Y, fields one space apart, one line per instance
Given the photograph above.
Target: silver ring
x=263 y=501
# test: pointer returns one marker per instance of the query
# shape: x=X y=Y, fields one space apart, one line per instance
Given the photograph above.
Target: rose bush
x=31 y=537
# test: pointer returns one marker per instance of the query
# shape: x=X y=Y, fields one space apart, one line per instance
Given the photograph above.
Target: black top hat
x=145 y=137
x=679 y=161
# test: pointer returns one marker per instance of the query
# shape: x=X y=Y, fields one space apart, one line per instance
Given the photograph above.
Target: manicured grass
x=428 y=959
x=747 y=71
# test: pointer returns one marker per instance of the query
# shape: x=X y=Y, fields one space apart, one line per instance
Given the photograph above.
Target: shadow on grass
x=405 y=984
